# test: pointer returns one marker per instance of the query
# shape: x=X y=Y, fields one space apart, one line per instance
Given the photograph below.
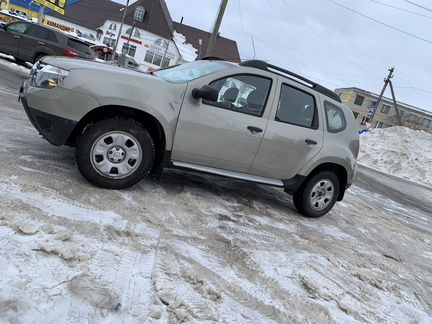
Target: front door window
x=242 y=93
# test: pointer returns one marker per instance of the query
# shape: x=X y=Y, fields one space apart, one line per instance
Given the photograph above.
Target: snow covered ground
x=400 y=151
x=199 y=249
x=9 y=62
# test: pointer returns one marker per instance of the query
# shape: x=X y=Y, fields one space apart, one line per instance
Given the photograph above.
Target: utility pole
x=398 y=116
x=386 y=82
x=120 y=31
x=41 y=14
x=215 y=32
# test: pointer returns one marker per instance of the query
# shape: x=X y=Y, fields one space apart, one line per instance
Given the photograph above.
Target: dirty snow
x=193 y=248
x=9 y=62
x=400 y=151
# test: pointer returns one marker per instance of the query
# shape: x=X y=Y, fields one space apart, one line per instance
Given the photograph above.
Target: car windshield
x=189 y=71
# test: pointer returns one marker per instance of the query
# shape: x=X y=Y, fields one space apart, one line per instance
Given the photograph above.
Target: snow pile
x=187 y=51
x=400 y=151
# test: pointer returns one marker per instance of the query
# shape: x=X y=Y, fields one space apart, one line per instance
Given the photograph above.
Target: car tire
x=38 y=57
x=19 y=61
x=317 y=196
x=115 y=153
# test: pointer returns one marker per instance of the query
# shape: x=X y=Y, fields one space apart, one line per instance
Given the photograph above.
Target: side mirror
x=2 y=26
x=206 y=93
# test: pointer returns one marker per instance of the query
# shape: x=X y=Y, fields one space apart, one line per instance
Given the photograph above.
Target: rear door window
x=297 y=107
x=37 y=32
x=52 y=37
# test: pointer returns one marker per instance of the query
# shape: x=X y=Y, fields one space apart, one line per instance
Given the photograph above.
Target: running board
x=229 y=174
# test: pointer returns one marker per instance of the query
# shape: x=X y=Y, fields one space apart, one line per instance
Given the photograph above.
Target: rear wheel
x=38 y=57
x=115 y=153
x=318 y=195
x=19 y=61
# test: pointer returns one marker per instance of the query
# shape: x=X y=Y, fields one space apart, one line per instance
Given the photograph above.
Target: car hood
x=82 y=64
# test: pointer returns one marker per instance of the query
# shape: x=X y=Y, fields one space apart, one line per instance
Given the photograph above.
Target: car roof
x=55 y=30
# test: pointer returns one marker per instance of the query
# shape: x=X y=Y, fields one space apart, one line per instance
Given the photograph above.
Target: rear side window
x=297 y=107
x=336 y=121
x=80 y=47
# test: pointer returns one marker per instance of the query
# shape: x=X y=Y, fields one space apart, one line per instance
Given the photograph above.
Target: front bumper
x=54 y=129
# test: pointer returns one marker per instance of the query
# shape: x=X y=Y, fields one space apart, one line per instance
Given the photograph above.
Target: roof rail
x=211 y=58
x=291 y=75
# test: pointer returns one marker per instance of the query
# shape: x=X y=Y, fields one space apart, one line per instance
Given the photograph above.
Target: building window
x=427 y=123
x=359 y=100
x=137 y=34
x=156 y=59
x=379 y=124
x=139 y=14
x=365 y=120
x=161 y=42
x=110 y=42
x=413 y=118
x=385 y=109
x=129 y=49
x=113 y=26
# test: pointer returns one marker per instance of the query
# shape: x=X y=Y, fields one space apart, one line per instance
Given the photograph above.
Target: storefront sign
x=58 y=25
x=56 y=5
x=372 y=108
x=4 y=4
x=8 y=18
x=132 y=40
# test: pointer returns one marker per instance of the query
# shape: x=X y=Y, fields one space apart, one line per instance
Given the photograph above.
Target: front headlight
x=47 y=76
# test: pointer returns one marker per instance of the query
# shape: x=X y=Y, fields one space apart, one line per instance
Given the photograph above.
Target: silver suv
x=251 y=121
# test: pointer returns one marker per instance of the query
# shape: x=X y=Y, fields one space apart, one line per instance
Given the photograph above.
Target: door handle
x=16 y=36
x=41 y=43
x=311 y=142
x=254 y=129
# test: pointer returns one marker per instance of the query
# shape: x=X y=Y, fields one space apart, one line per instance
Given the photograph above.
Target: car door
x=10 y=38
x=294 y=133
x=226 y=133
x=36 y=40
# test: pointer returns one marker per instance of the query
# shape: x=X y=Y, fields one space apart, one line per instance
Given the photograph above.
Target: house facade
x=362 y=102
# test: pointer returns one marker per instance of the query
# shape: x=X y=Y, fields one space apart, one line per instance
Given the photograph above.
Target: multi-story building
x=363 y=103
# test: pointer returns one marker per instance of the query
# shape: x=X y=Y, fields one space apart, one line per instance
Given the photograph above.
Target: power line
x=402 y=9
x=292 y=41
x=414 y=88
x=418 y=5
x=381 y=23
x=320 y=37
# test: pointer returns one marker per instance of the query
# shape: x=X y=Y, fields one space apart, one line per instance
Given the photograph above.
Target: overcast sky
x=328 y=43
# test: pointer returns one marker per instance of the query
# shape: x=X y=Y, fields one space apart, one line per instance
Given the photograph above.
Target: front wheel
x=115 y=153
x=318 y=195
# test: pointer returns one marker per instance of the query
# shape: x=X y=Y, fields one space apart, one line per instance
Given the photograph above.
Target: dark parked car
x=29 y=42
